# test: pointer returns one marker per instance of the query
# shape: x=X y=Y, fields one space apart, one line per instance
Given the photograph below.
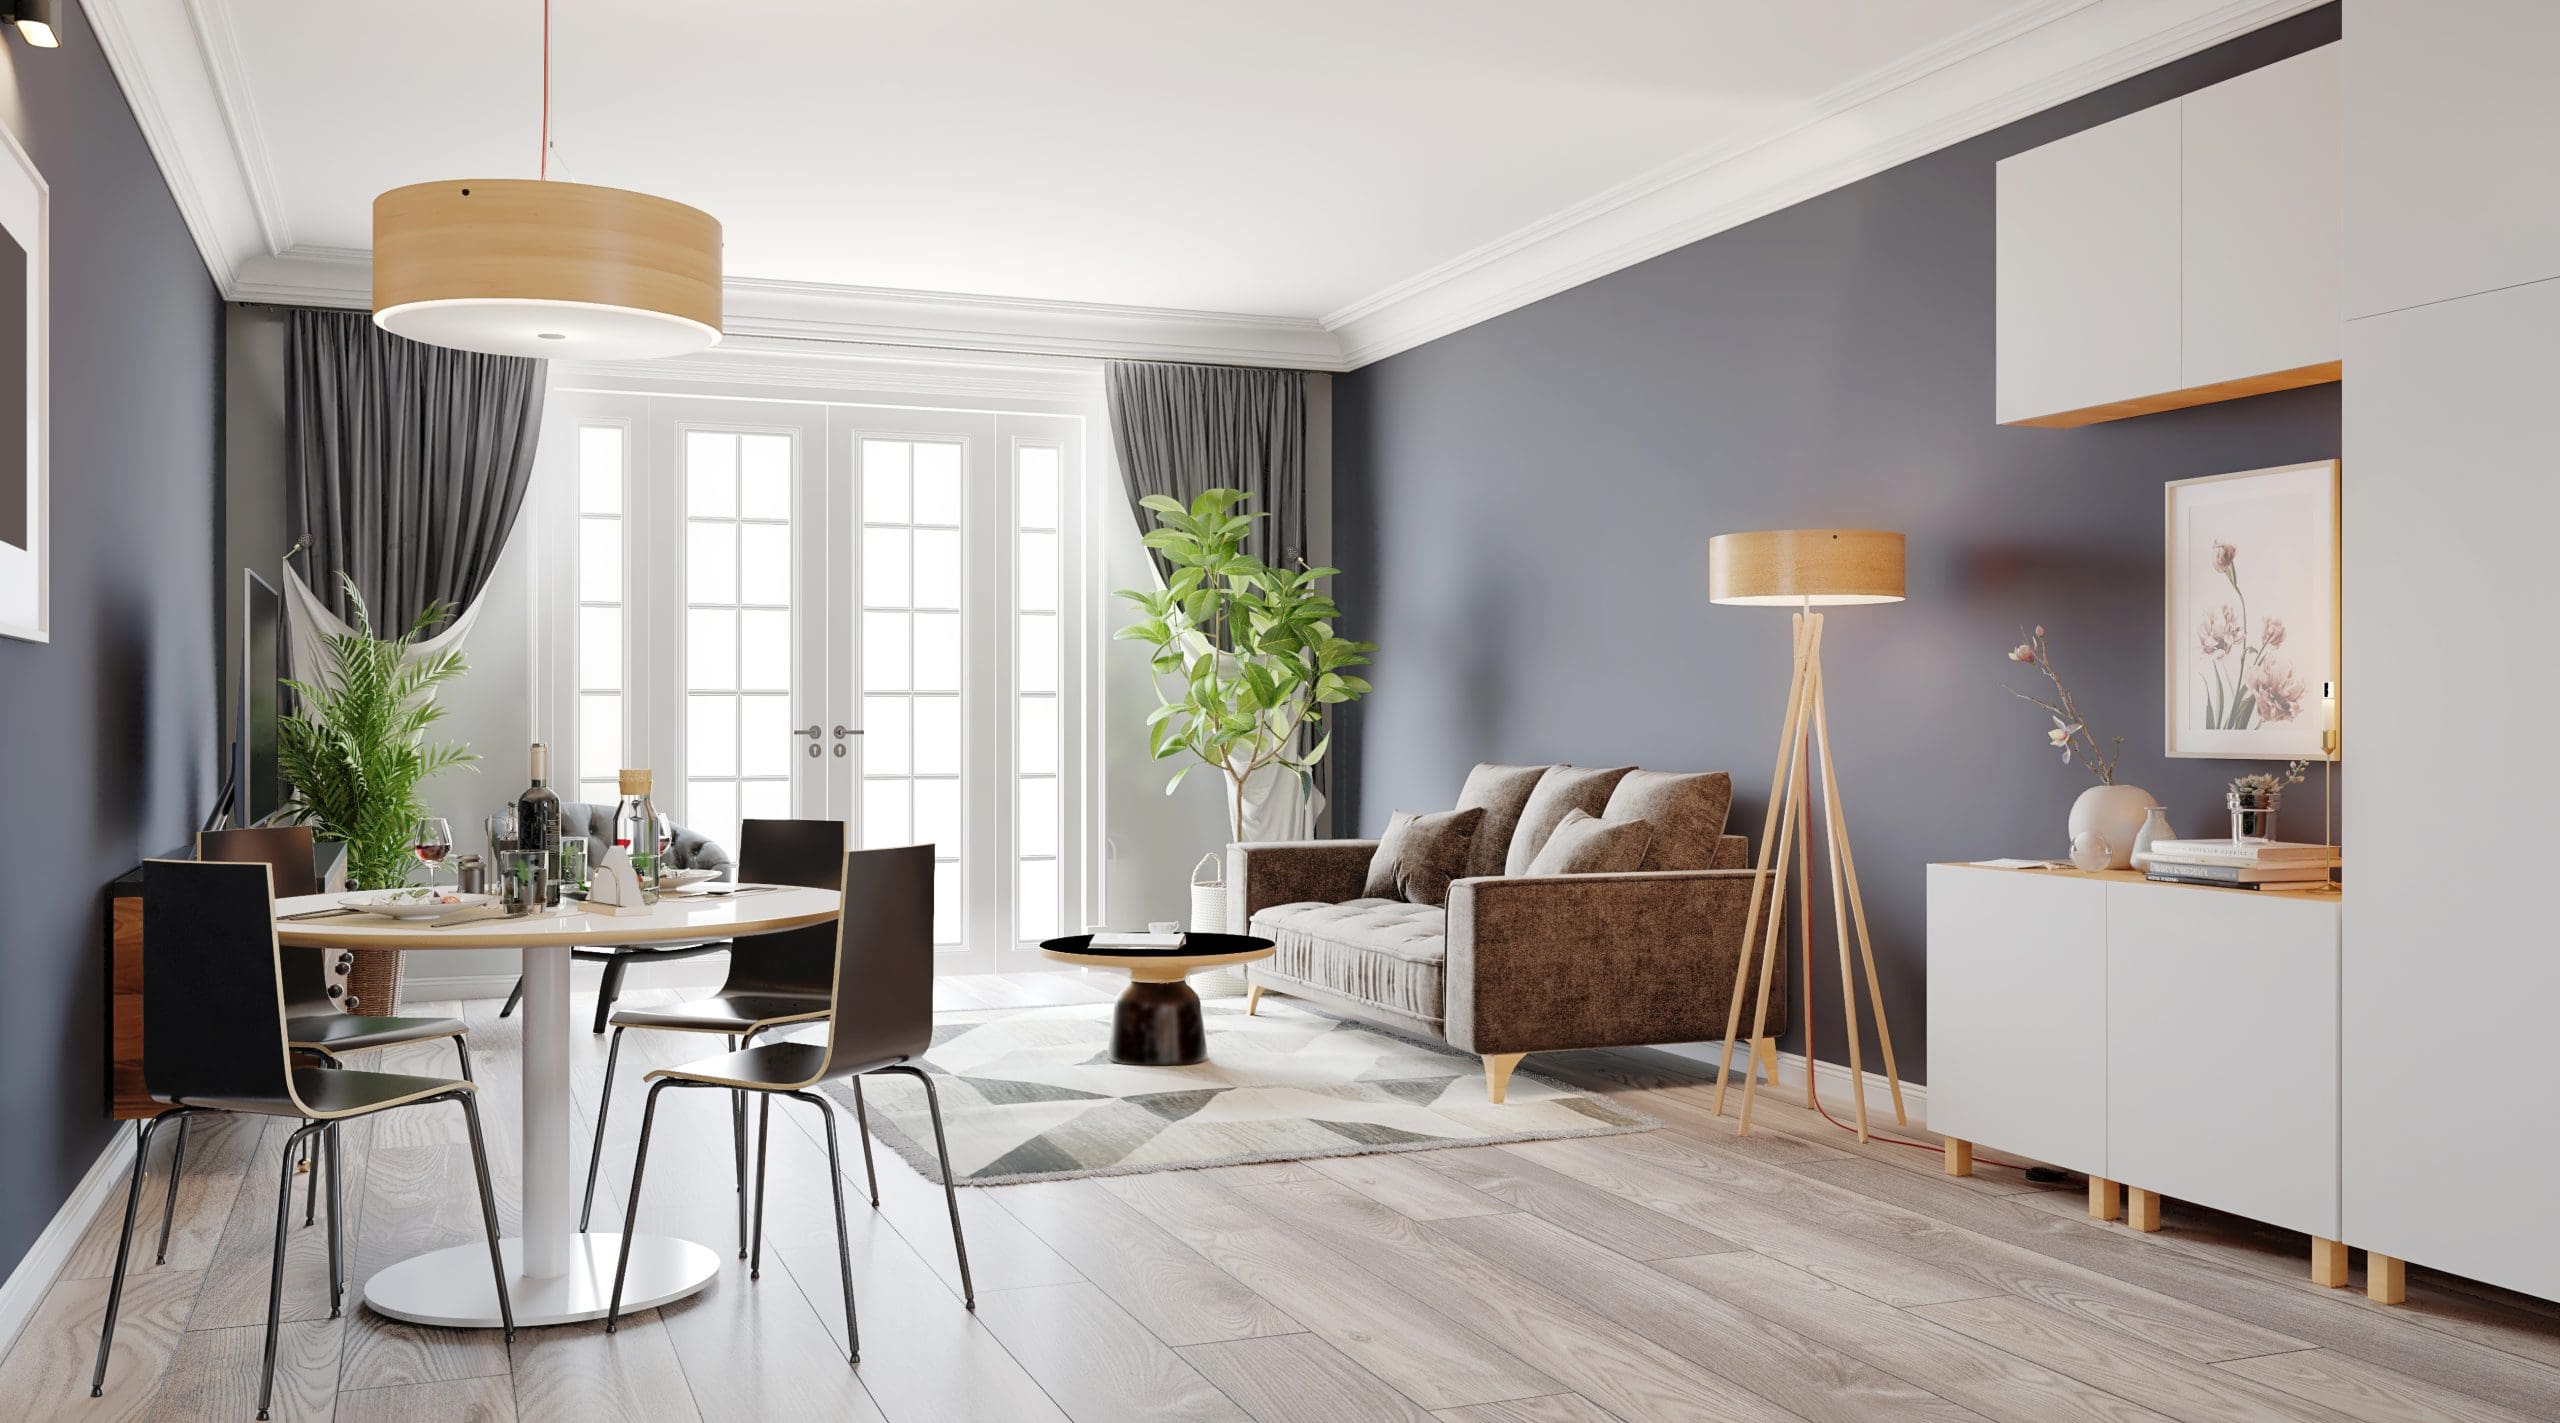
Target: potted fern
x=355 y=749
x=1248 y=650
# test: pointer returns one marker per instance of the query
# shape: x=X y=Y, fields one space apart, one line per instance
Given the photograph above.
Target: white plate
x=413 y=904
x=678 y=879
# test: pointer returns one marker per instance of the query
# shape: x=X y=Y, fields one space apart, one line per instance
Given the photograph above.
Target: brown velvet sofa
x=1514 y=964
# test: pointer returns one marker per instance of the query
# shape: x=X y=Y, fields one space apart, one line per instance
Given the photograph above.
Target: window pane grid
x=913 y=715
x=597 y=657
x=737 y=582
x=1039 y=882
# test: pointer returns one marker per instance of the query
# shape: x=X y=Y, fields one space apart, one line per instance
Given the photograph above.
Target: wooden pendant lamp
x=530 y=267
x=1805 y=569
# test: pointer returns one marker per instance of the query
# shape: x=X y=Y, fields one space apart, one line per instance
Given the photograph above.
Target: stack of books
x=2277 y=865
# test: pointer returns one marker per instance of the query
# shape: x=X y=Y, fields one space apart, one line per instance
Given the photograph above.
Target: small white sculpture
x=613 y=886
x=2089 y=851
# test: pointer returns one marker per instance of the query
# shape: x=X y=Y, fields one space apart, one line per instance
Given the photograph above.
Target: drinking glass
x=520 y=880
x=433 y=840
x=573 y=863
x=502 y=831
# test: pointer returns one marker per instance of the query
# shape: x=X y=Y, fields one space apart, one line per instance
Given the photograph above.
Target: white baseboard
x=1834 y=1080
x=52 y=1248
x=704 y=972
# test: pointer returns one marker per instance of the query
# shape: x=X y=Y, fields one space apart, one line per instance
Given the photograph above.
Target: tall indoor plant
x=355 y=747
x=1245 y=656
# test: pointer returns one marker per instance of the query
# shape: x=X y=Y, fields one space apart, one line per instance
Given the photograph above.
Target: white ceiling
x=1325 y=178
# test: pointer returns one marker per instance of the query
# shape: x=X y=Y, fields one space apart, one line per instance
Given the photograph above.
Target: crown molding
x=180 y=70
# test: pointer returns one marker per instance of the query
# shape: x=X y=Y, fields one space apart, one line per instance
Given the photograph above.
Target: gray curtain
x=407 y=462
x=1182 y=429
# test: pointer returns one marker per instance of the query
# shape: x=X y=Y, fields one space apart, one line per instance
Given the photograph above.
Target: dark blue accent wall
x=109 y=733
x=1523 y=509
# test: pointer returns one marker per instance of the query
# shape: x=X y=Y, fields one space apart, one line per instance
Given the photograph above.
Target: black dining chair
x=214 y=1040
x=773 y=981
x=314 y=1022
x=880 y=1019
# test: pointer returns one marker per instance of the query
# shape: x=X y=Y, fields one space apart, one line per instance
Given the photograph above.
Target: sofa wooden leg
x=1764 y=1051
x=2142 y=1209
x=2386 y=1279
x=2106 y=1198
x=1959 y=1157
x=1497 y=1073
x=2329 y=1262
x=1252 y=998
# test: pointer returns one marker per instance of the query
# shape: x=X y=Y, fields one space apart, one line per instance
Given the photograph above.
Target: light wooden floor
x=1680 y=1274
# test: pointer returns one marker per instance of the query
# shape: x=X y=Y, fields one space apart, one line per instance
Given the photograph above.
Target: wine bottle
x=538 y=823
x=635 y=828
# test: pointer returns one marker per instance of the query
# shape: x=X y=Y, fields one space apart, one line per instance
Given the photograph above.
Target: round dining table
x=556 y=1274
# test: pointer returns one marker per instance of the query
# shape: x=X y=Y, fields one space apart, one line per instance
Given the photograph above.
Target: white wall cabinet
x=2173 y=1040
x=2185 y=254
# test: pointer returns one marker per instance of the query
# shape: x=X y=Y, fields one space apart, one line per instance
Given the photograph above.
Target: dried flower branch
x=2070 y=733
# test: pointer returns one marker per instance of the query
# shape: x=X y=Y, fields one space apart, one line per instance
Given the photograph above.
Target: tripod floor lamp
x=1805 y=569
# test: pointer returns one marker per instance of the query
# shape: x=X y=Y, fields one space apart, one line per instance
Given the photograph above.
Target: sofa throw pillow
x=1420 y=854
x=1587 y=845
x=1501 y=792
x=1687 y=811
x=1561 y=789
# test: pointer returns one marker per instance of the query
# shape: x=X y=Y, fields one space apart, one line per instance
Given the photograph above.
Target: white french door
x=871 y=613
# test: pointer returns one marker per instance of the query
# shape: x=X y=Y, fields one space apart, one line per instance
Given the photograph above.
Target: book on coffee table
x=1159 y=943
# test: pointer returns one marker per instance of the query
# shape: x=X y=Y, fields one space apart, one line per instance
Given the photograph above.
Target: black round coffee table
x=1157 y=1022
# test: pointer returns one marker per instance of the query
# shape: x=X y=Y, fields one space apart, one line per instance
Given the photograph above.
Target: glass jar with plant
x=1244 y=654
x=2114 y=813
x=2254 y=799
x=355 y=747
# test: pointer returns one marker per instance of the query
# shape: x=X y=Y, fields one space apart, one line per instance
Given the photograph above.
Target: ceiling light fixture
x=518 y=267
x=35 y=20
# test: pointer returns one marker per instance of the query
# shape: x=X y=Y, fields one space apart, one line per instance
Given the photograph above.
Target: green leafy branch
x=1245 y=657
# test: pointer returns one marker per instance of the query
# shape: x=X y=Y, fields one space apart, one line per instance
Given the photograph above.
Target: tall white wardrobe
x=2449 y=1020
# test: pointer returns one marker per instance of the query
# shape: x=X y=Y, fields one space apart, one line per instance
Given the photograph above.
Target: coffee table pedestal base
x=1157 y=1024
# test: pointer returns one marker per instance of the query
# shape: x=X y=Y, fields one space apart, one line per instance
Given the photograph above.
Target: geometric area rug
x=1031 y=1094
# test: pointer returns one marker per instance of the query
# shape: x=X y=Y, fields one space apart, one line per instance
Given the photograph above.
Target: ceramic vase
x=2155 y=826
x=2116 y=813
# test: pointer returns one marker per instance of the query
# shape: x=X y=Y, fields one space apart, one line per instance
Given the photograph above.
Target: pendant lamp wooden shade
x=524 y=267
x=530 y=267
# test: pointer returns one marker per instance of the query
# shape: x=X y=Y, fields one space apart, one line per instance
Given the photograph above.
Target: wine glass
x=433 y=840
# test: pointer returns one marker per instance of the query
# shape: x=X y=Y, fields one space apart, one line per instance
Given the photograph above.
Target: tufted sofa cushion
x=1382 y=952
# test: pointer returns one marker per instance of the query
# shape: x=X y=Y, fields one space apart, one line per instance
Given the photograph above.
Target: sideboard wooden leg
x=1959 y=1157
x=2106 y=1198
x=2386 y=1279
x=2142 y=1209
x=2328 y=1262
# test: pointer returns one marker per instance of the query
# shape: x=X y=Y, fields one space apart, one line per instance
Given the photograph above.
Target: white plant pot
x=2116 y=814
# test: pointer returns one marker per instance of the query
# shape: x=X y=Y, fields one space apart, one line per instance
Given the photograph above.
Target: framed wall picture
x=2253 y=612
x=25 y=540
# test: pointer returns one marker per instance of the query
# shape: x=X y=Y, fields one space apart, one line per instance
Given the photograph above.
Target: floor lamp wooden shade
x=1805 y=569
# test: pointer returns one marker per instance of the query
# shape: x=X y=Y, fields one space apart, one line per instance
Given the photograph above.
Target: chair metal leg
x=275 y=1269
x=462 y=1049
x=764 y=1133
x=950 y=1195
x=169 y=1203
x=337 y=1215
x=862 y=1123
x=844 y=1237
x=608 y=989
x=515 y=996
x=738 y=1149
x=311 y=1157
x=124 y=1249
x=604 y=1105
x=631 y=1210
x=488 y=1212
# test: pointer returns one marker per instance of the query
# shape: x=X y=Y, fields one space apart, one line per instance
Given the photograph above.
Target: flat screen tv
x=257 y=786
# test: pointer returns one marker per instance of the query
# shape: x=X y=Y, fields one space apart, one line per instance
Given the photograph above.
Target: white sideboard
x=2163 y=1040
x=2187 y=253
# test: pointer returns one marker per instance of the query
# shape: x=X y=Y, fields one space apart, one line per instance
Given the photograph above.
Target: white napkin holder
x=613 y=886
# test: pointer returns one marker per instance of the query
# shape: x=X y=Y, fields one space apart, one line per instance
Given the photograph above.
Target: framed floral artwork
x=2253 y=613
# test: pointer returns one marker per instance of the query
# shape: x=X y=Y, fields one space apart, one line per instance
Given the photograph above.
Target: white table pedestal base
x=452 y=1287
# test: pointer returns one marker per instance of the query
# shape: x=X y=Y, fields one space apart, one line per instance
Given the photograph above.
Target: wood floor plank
x=2094 y=1354
x=753 y=1354
x=1404 y=1182
x=2352 y=1388
x=1790 y=1369
x=577 y=1373
x=1097 y=1363
x=1610 y=1222
x=1554 y=1408
x=1948 y=1363
x=1163 y=1283
x=1427 y=1355
x=1623 y=1371
x=1300 y=1378
x=217 y=1149
x=235 y=1289
x=215 y=1374
x=47 y=1372
x=2350 y=1326
x=475 y=1400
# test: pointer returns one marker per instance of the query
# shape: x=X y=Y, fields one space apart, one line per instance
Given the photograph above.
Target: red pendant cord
x=545 y=168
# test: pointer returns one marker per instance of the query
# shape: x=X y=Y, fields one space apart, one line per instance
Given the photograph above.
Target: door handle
x=842 y=731
x=810 y=731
